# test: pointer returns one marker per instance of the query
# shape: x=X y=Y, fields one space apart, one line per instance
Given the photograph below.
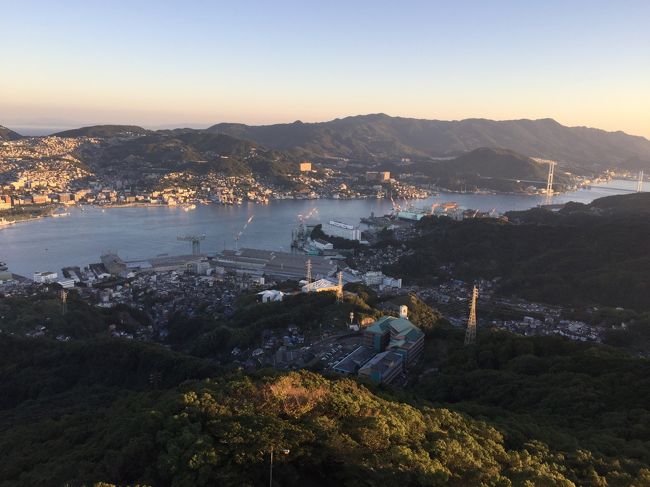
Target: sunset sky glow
x=197 y=63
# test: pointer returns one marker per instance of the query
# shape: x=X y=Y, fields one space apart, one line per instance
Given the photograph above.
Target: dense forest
x=584 y=255
x=512 y=411
x=509 y=411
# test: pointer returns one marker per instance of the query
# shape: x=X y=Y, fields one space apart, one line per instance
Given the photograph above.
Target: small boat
x=60 y=212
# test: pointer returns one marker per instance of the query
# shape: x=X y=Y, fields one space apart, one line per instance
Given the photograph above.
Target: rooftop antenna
x=196 y=242
x=470 y=332
x=639 y=183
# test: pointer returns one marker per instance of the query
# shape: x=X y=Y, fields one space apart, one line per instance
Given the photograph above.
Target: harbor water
x=80 y=238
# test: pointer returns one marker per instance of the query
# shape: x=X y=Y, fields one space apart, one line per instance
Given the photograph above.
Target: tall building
x=304 y=166
x=395 y=334
x=388 y=346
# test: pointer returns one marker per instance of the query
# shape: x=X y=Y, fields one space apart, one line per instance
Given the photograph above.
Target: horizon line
x=50 y=129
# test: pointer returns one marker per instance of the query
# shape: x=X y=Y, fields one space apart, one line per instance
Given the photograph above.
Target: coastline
x=186 y=206
x=4 y=224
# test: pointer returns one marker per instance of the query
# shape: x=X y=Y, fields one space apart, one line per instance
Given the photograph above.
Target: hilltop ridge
x=8 y=134
x=381 y=137
x=104 y=131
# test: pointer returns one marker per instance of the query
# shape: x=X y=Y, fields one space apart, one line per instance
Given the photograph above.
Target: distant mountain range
x=381 y=138
x=8 y=134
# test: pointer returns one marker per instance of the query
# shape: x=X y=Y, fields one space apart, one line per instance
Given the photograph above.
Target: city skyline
x=157 y=65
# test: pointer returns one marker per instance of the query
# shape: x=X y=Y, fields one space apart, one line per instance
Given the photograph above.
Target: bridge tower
x=639 y=183
x=308 y=273
x=470 y=332
x=549 y=182
x=196 y=242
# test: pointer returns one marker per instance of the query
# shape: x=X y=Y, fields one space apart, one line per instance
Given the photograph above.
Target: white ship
x=60 y=212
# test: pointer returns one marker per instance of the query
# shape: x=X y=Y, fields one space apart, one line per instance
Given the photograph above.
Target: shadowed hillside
x=497 y=169
x=582 y=255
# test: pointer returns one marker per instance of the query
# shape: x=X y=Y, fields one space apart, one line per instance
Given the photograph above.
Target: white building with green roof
x=398 y=335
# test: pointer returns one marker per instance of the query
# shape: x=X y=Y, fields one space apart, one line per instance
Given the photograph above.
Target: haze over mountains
x=381 y=138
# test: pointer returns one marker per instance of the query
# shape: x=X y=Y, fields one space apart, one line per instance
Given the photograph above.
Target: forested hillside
x=191 y=151
x=510 y=412
x=496 y=169
x=584 y=255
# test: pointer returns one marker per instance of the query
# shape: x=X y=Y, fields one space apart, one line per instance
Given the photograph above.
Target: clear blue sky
x=193 y=62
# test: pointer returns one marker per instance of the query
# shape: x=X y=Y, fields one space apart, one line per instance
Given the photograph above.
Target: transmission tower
x=308 y=273
x=196 y=242
x=339 y=289
x=639 y=183
x=470 y=333
x=155 y=378
x=549 y=182
x=64 y=302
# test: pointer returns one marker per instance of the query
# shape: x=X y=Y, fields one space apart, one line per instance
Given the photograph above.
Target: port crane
x=196 y=242
x=238 y=236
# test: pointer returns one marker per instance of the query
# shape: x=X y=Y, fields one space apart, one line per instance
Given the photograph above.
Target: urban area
x=377 y=348
x=42 y=176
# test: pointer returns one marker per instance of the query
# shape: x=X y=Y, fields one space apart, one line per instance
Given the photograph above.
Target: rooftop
x=320 y=285
x=355 y=360
x=402 y=331
x=275 y=263
x=382 y=362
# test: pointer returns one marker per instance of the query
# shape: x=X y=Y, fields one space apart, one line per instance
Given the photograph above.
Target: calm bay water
x=139 y=232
